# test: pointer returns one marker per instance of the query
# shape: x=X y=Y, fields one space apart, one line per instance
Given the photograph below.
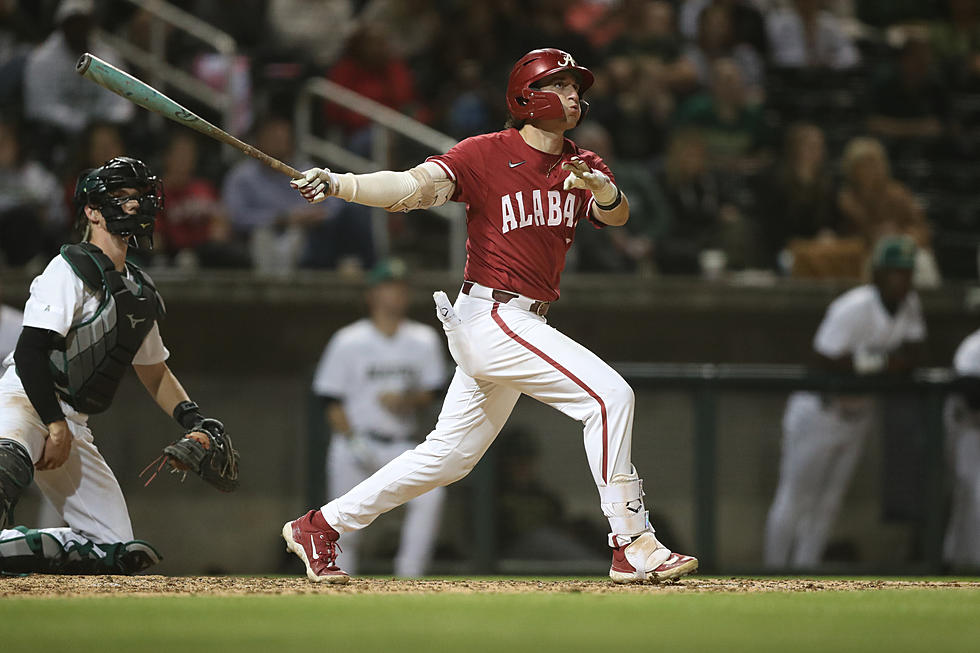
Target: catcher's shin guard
x=125 y=558
x=16 y=473
x=31 y=551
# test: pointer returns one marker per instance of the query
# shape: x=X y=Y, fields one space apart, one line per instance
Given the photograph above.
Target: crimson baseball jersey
x=519 y=221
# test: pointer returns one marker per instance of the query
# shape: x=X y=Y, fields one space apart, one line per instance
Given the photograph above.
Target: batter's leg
x=554 y=369
x=344 y=471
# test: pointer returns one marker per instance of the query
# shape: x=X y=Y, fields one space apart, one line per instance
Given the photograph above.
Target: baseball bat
x=125 y=85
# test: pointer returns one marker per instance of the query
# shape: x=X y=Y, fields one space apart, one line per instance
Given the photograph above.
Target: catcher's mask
x=525 y=101
x=95 y=188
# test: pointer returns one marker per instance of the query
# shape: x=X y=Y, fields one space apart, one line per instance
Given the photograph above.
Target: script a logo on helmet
x=566 y=61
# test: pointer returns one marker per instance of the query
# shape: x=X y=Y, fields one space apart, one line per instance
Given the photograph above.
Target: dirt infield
x=63 y=586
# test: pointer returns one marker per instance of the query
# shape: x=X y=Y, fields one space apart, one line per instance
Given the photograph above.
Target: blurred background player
x=89 y=316
x=378 y=375
x=526 y=188
x=875 y=328
x=10 y=321
x=961 y=549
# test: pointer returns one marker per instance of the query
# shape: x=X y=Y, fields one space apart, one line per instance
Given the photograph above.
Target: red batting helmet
x=525 y=102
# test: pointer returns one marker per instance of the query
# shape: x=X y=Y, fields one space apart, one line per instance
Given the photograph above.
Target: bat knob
x=83 y=63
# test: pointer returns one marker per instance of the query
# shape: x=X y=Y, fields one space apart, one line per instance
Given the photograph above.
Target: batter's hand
x=580 y=175
x=56 y=447
x=315 y=185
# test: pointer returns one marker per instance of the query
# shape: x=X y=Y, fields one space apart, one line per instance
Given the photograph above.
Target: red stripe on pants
x=548 y=359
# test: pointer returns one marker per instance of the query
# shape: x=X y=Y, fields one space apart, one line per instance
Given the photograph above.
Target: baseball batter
x=961 y=548
x=89 y=316
x=872 y=329
x=526 y=188
x=377 y=374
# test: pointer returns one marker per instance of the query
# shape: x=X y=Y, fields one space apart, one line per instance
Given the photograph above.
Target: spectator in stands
x=369 y=67
x=748 y=24
x=30 y=201
x=634 y=107
x=805 y=35
x=733 y=129
x=910 y=101
x=874 y=204
x=702 y=214
x=297 y=26
x=716 y=40
x=955 y=39
x=18 y=34
x=651 y=38
x=264 y=212
x=193 y=220
x=797 y=215
x=629 y=249
x=54 y=95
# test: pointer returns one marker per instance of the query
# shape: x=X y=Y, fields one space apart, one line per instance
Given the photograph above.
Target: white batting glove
x=580 y=175
x=316 y=184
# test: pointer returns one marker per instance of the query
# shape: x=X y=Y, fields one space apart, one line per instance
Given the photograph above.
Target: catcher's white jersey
x=360 y=363
x=823 y=436
x=83 y=491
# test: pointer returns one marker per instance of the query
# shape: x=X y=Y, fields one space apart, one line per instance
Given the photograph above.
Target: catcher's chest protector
x=90 y=361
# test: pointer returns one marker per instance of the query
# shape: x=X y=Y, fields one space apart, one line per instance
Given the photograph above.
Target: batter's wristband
x=188 y=414
x=615 y=203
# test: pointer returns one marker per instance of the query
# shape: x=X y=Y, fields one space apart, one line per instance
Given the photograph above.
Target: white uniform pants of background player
x=821 y=446
x=961 y=547
x=83 y=491
x=503 y=351
x=348 y=465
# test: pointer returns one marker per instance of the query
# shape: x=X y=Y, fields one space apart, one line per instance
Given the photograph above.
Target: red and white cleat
x=646 y=559
x=314 y=541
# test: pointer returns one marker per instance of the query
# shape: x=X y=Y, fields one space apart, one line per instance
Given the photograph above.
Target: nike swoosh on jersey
x=514 y=165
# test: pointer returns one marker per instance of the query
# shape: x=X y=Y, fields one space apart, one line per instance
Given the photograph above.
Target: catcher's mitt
x=204 y=449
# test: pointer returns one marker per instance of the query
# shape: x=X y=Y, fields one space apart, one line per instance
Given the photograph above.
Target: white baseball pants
x=503 y=351
x=820 y=449
x=961 y=546
x=347 y=467
x=83 y=491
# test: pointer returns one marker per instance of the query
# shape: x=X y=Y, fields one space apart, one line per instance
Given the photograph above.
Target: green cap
x=392 y=269
x=897 y=252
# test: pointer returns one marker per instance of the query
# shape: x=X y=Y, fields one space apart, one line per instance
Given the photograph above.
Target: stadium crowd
x=776 y=135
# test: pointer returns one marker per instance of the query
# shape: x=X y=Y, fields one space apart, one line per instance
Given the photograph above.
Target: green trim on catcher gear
x=40 y=552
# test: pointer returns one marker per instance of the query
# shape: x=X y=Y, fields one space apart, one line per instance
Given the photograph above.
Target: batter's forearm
x=616 y=216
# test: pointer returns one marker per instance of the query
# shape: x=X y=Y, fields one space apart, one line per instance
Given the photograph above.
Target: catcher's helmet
x=525 y=102
x=94 y=188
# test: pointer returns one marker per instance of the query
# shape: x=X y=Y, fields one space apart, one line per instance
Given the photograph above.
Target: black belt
x=503 y=296
x=382 y=437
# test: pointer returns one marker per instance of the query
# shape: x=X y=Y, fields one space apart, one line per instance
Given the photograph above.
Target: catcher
x=90 y=314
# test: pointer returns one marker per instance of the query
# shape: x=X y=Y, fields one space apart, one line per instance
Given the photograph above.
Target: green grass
x=885 y=621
